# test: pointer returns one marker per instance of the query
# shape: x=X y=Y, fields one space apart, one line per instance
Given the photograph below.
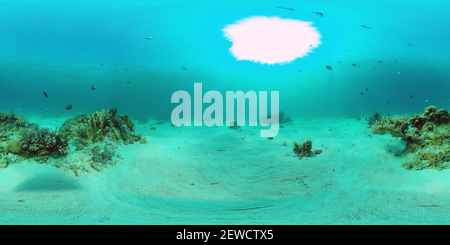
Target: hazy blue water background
x=58 y=46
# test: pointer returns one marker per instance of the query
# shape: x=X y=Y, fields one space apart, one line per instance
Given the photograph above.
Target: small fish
x=128 y=82
x=45 y=94
x=117 y=71
x=126 y=69
x=409 y=44
x=427 y=101
x=149 y=38
x=367 y=89
x=381 y=61
x=101 y=64
x=343 y=23
x=388 y=103
x=361 y=93
x=395 y=60
x=355 y=64
x=339 y=61
x=329 y=68
x=94 y=87
x=374 y=68
x=440 y=82
x=68 y=107
x=184 y=68
x=410 y=96
x=290 y=9
x=318 y=14
x=366 y=27
x=386 y=36
x=299 y=70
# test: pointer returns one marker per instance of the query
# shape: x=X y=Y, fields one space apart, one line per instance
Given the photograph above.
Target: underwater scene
x=224 y=112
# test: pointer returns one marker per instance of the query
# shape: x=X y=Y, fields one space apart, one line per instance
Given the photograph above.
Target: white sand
x=181 y=177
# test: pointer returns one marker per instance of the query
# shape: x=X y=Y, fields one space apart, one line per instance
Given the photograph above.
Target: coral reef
x=375 y=118
x=98 y=126
x=7 y=159
x=11 y=120
x=20 y=139
x=397 y=126
x=427 y=137
x=304 y=149
x=103 y=159
x=41 y=142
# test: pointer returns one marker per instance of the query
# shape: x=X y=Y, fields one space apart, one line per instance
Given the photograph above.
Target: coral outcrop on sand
x=377 y=116
x=304 y=149
x=41 y=142
x=20 y=139
x=98 y=126
x=427 y=137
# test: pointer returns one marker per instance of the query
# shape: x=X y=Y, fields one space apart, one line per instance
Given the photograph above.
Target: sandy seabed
x=218 y=175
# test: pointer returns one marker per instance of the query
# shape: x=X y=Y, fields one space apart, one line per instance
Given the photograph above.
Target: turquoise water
x=65 y=47
x=58 y=47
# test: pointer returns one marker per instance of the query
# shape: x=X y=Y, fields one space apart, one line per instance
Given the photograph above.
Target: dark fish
x=126 y=69
x=69 y=106
x=354 y=64
x=339 y=61
x=395 y=60
x=381 y=61
x=410 y=96
x=94 y=87
x=290 y=9
x=361 y=93
x=366 y=27
x=409 y=44
x=299 y=70
x=329 y=68
x=101 y=64
x=439 y=81
x=45 y=94
x=367 y=89
x=149 y=38
x=184 y=68
x=359 y=119
x=388 y=103
x=319 y=14
x=128 y=82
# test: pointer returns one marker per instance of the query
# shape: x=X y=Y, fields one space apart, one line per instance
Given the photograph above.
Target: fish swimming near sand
x=45 y=94
x=290 y=9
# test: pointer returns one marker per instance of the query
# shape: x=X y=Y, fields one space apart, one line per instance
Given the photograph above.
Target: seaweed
x=304 y=149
